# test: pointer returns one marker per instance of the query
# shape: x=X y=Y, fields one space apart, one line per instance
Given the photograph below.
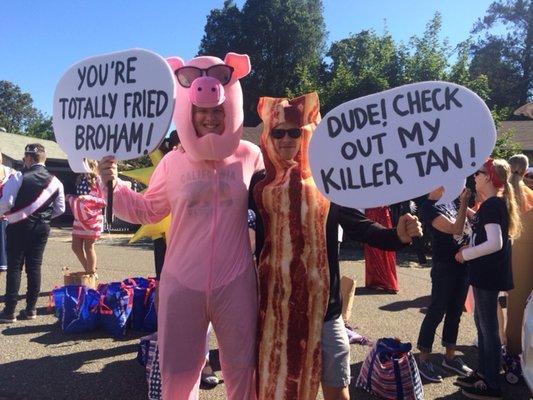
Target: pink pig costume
x=208 y=273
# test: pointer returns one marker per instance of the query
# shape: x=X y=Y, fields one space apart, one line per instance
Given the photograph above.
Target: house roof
x=523 y=132
x=12 y=145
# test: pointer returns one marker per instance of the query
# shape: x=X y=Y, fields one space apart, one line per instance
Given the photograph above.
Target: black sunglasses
x=480 y=172
x=294 y=133
x=187 y=75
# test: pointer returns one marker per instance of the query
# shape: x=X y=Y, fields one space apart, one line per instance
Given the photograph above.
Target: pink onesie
x=208 y=275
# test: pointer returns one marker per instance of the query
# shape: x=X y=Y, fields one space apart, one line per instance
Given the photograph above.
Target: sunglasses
x=480 y=172
x=187 y=75
x=294 y=133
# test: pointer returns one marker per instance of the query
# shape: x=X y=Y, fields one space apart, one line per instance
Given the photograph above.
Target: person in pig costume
x=208 y=274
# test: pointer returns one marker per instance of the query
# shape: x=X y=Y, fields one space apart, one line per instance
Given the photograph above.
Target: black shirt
x=443 y=245
x=492 y=271
x=354 y=224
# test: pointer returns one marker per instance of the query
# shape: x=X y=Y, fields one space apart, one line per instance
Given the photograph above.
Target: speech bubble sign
x=402 y=143
x=118 y=104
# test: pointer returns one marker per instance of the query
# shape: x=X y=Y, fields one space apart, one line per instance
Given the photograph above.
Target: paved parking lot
x=37 y=361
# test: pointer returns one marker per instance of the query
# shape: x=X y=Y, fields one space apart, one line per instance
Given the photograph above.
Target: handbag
x=390 y=372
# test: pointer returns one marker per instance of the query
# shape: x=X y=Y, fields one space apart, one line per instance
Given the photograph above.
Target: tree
x=222 y=31
x=362 y=64
x=41 y=128
x=460 y=73
x=18 y=115
x=285 y=42
x=429 y=60
x=507 y=62
x=16 y=108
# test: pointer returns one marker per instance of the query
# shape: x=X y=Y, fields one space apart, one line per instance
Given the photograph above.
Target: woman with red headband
x=489 y=271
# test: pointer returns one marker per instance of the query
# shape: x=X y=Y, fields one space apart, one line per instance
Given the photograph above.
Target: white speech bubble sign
x=118 y=104
x=402 y=143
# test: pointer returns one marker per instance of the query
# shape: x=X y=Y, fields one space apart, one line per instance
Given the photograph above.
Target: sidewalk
x=38 y=362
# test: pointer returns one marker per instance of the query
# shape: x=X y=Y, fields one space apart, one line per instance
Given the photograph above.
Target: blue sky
x=40 y=40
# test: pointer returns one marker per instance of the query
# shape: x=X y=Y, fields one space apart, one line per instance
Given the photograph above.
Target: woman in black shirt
x=449 y=282
x=489 y=271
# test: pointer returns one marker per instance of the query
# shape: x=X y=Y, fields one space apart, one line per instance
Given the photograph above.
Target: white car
x=526 y=358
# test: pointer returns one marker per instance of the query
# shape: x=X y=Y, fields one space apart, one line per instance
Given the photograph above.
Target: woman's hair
x=519 y=164
x=90 y=176
x=502 y=170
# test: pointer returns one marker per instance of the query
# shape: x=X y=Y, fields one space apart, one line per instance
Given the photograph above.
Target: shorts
x=335 y=354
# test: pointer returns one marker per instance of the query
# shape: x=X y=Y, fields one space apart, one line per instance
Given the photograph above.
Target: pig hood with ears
x=304 y=112
x=209 y=92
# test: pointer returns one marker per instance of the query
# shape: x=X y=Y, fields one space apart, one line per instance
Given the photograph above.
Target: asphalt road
x=37 y=361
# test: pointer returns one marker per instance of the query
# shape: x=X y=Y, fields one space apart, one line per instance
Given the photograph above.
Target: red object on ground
x=380 y=265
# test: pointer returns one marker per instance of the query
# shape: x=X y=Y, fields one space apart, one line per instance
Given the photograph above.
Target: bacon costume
x=208 y=274
x=299 y=279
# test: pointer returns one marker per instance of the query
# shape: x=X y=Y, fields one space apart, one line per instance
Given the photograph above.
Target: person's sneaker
x=481 y=391
x=6 y=317
x=468 y=380
x=3 y=268
x=456 y=365
x=429 y=372
x=28 y=314
x=208 y=377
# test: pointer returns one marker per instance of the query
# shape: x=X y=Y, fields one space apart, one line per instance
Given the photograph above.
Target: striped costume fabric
x=390 y=372
x=87 y=212
x=293 y=267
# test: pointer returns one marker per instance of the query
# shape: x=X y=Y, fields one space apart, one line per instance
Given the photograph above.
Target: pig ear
x=240 y=63
x=175 y=63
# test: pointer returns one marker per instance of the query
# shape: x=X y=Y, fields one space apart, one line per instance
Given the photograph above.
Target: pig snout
x=206 y=92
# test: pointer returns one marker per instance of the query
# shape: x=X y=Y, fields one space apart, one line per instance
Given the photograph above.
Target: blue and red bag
x=116 y=303
x=55 y=301
x=79 y=308
x=143 y=317
x=390 y=372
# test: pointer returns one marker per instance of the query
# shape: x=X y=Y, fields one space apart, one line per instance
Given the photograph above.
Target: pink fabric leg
x=182 y=328
x=234 y=318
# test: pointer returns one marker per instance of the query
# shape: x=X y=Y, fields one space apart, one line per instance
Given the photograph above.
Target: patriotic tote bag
x=116 y=303
x=390 y=372
x=143 y=316
x=79 y=308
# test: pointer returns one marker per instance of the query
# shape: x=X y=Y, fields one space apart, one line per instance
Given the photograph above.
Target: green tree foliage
x=506 y=61
x=41 y=128
x=285 y=42
x=460 y=73
x=367 y=63
x=18 y=115
x=505 y=146
x=429 y=60
x=16 y=108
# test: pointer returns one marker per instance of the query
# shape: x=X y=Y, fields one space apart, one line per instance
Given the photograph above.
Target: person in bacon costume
x=302 y=340
x=33 y=199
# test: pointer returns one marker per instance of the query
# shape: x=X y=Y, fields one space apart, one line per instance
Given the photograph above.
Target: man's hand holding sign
x=118 y=104
x=400 y=144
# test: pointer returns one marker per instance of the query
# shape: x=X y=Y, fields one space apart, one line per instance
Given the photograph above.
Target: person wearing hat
x=33 y=199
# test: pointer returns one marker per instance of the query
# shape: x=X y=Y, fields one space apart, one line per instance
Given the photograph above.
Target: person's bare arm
x=446 y=225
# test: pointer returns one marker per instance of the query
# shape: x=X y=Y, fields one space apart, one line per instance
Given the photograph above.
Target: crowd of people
x=276 y=307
